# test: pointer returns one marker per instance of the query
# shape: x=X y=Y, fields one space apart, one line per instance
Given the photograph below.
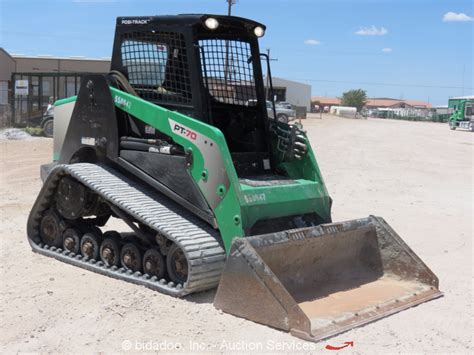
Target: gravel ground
x=14 y=134
x=418 y=176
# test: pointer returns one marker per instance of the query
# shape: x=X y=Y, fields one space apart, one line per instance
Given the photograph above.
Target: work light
x=259 y=31
x=211 y=23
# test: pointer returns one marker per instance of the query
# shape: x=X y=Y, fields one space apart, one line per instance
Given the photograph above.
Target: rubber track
x=200 y=243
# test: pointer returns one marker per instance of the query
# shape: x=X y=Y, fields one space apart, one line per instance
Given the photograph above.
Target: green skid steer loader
x=176 y=142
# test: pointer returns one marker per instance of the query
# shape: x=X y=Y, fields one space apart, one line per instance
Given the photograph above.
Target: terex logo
x=186 y=132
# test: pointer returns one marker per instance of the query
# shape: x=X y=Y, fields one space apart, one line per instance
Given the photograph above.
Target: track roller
x=154 y=263
x=90 y=246
x=130 y=257
x=72 y=240
x=110 y=251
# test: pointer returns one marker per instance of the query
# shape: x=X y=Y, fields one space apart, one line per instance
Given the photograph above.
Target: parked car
x=283 y=114
x=285 y=104
x=47 y=121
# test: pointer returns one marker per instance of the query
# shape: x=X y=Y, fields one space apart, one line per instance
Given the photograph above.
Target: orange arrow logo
x=347 y=343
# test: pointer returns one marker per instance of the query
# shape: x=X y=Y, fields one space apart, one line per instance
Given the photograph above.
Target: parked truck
x=462 y=116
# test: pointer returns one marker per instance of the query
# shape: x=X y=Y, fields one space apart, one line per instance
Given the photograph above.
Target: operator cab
x=204 y=66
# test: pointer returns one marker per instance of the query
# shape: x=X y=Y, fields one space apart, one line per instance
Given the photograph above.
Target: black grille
x=157 y=66
x=227 y=70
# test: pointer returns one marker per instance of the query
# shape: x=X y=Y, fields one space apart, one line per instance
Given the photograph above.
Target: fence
x=431 y=118
x=425 y=115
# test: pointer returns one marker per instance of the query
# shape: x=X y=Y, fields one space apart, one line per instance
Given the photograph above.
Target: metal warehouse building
x=28 y=83
x=296 y=93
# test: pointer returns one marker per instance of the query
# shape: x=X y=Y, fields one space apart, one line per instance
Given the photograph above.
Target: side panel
x=212 y=167
x=62 y=115
x=170 y=170
x=93 y=123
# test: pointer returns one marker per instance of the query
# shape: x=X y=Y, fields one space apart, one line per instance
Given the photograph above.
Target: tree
x=354 y=98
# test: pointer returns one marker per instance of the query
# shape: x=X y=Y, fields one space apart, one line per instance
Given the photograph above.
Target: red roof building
x=372 y=103
x=396 y=103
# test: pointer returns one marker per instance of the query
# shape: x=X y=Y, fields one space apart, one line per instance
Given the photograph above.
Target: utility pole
x=229 y=6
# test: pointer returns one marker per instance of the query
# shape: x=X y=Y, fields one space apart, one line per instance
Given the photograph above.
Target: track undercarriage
x=169 y=250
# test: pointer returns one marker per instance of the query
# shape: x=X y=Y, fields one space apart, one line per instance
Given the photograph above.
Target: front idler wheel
x=51 y=229
x=177 y=265
x=154 y=263
x=71 y=240
x=130 y=257
x=90 y=246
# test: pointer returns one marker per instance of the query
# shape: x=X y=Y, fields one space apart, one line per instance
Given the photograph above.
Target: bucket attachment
x=320 y=281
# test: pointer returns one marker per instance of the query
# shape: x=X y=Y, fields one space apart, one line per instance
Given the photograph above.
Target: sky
x=409 y=49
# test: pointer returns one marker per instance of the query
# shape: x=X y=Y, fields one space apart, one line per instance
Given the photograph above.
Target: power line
x=75 y=36
x=386 y=84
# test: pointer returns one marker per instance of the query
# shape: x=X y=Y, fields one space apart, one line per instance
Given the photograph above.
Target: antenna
x=463 y=73
x=267 y=85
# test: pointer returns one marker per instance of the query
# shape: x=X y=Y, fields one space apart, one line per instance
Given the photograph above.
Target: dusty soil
x=418 y=176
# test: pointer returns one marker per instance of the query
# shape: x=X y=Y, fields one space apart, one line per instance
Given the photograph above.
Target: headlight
x=259 y=31
x=211 y=23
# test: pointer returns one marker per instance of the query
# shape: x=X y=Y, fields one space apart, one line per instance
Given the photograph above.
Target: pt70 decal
x=185 y=132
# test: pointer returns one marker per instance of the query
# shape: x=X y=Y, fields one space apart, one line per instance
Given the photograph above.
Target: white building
x=294 y=92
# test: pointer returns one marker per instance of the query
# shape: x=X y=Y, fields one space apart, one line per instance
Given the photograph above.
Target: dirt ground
x=418 y=176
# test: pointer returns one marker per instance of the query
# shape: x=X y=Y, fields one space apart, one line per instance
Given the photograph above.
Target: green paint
x=275 y=201
x=65 y=101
